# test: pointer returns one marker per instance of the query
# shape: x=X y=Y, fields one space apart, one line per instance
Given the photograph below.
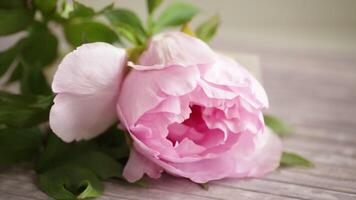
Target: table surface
x=315 y=94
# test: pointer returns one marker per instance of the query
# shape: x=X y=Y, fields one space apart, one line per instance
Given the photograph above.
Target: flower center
x=195 y=129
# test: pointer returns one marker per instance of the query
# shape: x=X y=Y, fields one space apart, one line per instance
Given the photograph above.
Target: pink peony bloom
x=194 y=113
x=190 y=112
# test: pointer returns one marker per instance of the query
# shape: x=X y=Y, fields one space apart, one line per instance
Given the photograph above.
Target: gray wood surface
x=315 y=94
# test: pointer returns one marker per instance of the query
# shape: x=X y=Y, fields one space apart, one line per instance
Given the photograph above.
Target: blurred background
x=306 y=27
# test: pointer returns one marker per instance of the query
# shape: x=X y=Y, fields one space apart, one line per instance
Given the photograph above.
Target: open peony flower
x=189 y=111
x=195 y=114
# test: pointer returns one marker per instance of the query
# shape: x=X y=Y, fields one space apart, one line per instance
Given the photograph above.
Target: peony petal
x=137 y=166
x=265 y=158
x=89 y=69
x=76 y=117
x=227 y=72
x=177 y=81
x=188 y=148
x=175 y=48
x=215 y=92
x=145 y=90
x=87 y=82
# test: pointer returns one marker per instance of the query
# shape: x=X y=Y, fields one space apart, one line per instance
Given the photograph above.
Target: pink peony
x=195 y=114
x=190 y=111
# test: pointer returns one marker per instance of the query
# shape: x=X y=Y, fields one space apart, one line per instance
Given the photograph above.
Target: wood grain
x=317 y=95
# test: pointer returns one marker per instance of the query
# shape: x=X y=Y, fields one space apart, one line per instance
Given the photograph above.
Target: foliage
x=75 y=170
x=292 y=159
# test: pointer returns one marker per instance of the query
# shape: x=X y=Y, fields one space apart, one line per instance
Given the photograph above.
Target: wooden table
x=317 y=95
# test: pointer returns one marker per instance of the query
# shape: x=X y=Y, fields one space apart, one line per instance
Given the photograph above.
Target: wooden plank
x=322 y=182
x=328 y=147
x=332 y=135
x=24 y=187
x=6 y=196
x=169 y=183
x=291 y=190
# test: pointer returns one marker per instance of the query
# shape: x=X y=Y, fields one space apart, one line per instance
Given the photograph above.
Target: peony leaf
x=81 y=10
x=204 y=186
x=33 y=81
x=23 y=110
x=175 y=15
x=40 y=47
x=207 y=29
x=8 y=56
x=18 y=145
x=152 y=5
x=79 y=32
x=86 y=154
x=14 y=20
x=141 y=183
x=46 y=5
x=277 y=125
x=99 y=163
x=70 y=182
x=113 y=143
x=128 y=24
x=292 y=159
x=11 y=4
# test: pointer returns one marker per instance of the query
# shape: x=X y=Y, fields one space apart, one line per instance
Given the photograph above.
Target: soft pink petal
x=265 y=158
x=87 y=82
x=201 y=171
x=227 y=72
x=215 y=92
x=89 y=69
x=137 y=166
x=187 y=148
x=76 y=117
x=175 y=48
x=144 y=90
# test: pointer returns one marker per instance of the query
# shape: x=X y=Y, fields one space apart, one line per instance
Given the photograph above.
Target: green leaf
x=11 y=3
x=277 y=125
x=79 y=32
x=142 y=183
x=99 y=163
x=204 y=186
x=41 y=47
x=70 y=182
x=57 y=152
x=175 y=15
x=85 y=154
x=64 y=9
x=18 y=145
x=152 y=5
x=134 y=53
x=14 y=20
x=16 y=74
x=207 y=29
x=127 y=23
x=46 y=5
x=106 y=9
x=113 y=143
x=33 y=81
x=7 y=57
x=81 y=10
x=292 y=159
x=23 y=110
